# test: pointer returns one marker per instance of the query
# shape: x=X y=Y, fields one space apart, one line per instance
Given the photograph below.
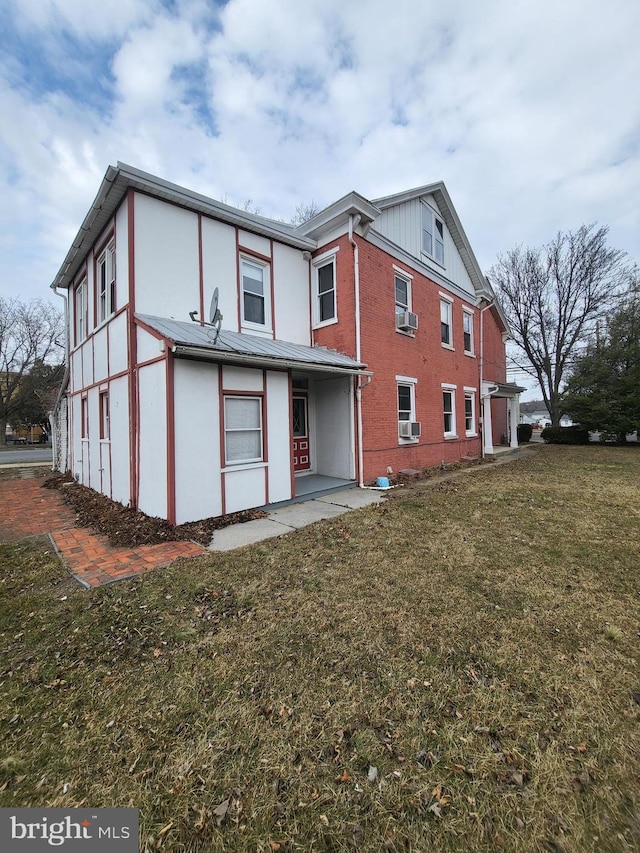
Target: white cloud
x=526 y=111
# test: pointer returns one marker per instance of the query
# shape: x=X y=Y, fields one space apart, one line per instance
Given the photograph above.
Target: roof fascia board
x=245 y=359
x=406 y=195
x=335 y=214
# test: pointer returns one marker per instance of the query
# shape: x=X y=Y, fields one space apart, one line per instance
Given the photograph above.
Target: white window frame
x=229 y=398
x=324 y=260
x=450 y=412
x=446 y=305
x=432 y=234
x=81 y=310
x=467 y=316
x=410 y=383
x=265 y=270
x=103 y=403
x=106 y=282
x=401 y=307
x=470 y=395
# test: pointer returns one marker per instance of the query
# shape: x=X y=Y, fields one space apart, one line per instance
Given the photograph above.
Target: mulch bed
x=129 y=528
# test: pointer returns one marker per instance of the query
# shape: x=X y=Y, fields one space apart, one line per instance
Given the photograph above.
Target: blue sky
x=528 y=111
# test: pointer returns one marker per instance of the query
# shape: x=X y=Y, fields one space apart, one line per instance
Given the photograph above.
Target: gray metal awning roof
x=191 y=340
x=504 y=389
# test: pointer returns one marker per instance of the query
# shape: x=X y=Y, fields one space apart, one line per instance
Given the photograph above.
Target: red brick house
x=220 y=360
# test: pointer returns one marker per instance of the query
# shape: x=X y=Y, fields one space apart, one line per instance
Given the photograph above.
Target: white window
x=242 y=429
x=470 y=412
x=80 y=310
x=255 y=294
x=432 y=234
x=106 y=283
x=325 y=309
x=446 y=328
x=104 y=414
x=406 y=407
x=84 y=417
x=403 y=294
x=449 y=410
x=467 y=331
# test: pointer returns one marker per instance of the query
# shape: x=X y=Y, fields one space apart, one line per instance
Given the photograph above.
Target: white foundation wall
x=291 y=283
x=167 y=269
x=333 y=429
x=245 y=489
x=278 y=436
x=152 y=426
x=197 y=441
x=119 y=431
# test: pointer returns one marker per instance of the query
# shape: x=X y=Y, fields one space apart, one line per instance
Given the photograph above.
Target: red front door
x=301 y=450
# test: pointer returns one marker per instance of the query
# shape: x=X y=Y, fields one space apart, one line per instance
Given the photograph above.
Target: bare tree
x=28 y=337
x=553 y=296
x=304 y=212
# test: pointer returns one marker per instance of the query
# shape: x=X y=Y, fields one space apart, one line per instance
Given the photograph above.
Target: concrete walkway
x=288 y=518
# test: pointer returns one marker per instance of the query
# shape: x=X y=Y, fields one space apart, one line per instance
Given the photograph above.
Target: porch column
x=513 y=419
x=487 y=429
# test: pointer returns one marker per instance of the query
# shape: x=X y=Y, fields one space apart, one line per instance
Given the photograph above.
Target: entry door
x=301 y=451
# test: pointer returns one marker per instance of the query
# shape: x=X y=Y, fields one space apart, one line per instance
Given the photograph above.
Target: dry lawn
x=457 y=669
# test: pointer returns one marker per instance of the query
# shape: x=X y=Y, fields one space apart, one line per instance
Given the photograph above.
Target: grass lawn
x=457 y=669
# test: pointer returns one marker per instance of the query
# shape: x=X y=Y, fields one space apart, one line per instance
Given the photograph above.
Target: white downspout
x=353 y=223
x=482 y=310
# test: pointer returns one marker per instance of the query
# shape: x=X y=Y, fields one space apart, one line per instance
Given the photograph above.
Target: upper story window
x=255 y=294
x=325 y=309
x=446 y=328
x=106 y=282
x=80 y=311
x=432 y=234
x=467 y=331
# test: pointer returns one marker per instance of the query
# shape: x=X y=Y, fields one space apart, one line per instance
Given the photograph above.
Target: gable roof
x=196 y=341
x=120 y=178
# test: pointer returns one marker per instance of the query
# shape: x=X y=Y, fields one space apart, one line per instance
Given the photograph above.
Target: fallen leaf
x=344 y=777
x=220 y=811
x=372 y=775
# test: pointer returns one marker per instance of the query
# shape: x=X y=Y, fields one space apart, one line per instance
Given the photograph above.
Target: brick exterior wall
x=421 y=356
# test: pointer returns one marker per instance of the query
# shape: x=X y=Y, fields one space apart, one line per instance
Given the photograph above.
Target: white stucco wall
x=242 y=379
x=119 y=428
x=118 y=346
x=219 y=270
x=167 y=272
x=197 y=441
x=291 y=283
x=255 y=242
x=278 y=434
x=152 y=424
x=245 y=489
x=100 y=365
x=147 y=345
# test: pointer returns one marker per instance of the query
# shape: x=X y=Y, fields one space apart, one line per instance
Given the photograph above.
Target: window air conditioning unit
x=409 y=429
x=407 y=320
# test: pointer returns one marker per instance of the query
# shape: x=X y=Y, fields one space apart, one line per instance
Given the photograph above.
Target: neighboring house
x=363 y=341
x=542 y=417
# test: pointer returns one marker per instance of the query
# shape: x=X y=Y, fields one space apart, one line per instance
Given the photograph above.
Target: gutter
x=203 y=354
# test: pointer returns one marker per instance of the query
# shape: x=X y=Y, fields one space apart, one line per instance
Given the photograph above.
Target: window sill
x=406 y=333
x=324 y=323
x=470 y=354
x=471 y=434
x=404 y=441
x=447 y=346
x=449 y=436
x=429 y=257
x=230 y=467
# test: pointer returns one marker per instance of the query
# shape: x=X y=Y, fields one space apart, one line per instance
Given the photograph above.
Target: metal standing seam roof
x=193 y=336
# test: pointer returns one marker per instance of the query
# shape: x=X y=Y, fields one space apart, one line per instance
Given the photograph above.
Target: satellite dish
x=213 y=310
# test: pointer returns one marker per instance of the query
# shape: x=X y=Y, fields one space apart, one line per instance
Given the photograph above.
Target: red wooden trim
x=223 y=456
x=265 y=437
x=292 y=472
x=238 y=281
x=201 y=271
x=86 y=388
x=154 y=360
x=134 y=397
x=153 y=332
x=171 y=441
x=252 y=252
x=273 y=291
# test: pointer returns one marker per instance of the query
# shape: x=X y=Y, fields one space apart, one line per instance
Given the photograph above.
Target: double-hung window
x=446 y=328
x=106 y=282
x=325 y=308
x=406 y=408
x=432 y=234
x=242 y=429
x=80 y=311
x=449 y=410
x=104 y=415
x=467 y=331
x=470 y=411
x=255 y=294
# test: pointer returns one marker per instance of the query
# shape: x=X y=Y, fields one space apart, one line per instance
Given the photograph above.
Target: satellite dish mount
x=215 y=317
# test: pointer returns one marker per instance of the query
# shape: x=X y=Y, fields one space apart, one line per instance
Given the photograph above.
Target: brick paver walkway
x=26 y=509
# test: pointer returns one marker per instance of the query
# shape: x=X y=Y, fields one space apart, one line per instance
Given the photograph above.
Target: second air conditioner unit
x=407 y=320
x=409 y=429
